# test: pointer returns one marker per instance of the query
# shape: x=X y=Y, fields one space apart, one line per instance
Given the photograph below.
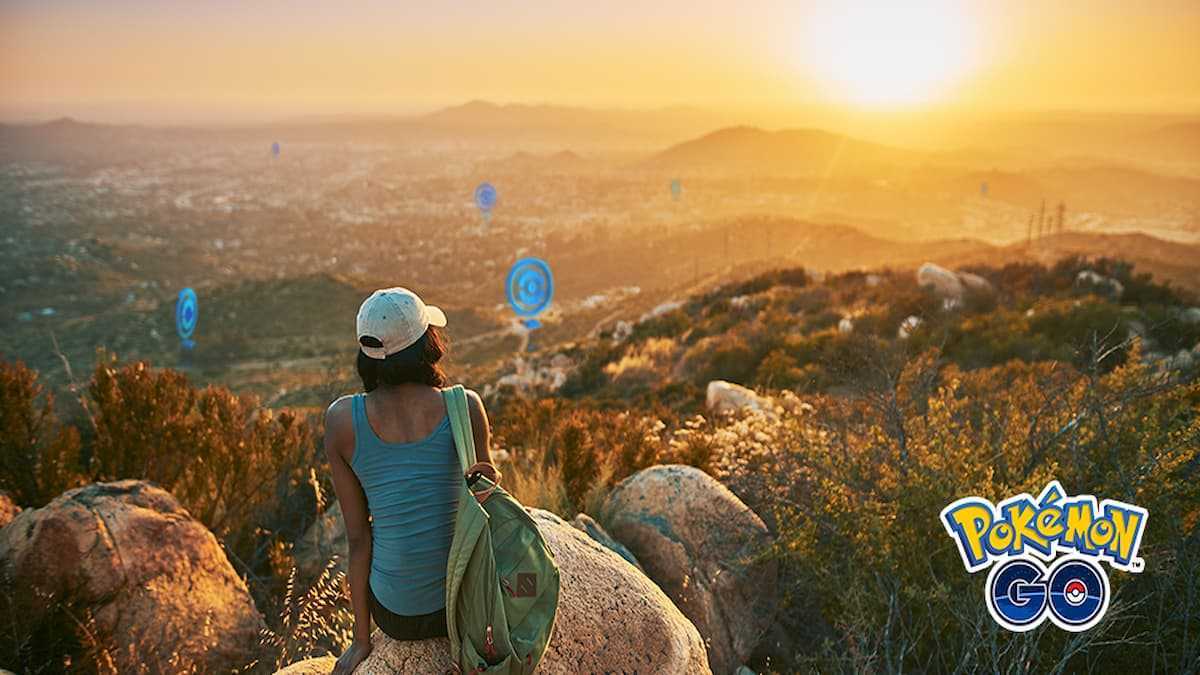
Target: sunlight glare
x=882 y=54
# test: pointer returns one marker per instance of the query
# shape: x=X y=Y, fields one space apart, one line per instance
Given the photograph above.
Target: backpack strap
x=464 y=439
x=460 y=424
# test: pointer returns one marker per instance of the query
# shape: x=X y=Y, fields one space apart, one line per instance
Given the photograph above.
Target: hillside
x=787 y=152
x=817 y=333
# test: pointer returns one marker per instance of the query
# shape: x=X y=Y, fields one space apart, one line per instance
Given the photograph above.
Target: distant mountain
x=1180 y=141
x=785 y=152
x=569 y=123
x=528 y=162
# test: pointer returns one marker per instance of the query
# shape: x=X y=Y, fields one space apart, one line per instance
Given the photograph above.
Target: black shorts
x=405 y=627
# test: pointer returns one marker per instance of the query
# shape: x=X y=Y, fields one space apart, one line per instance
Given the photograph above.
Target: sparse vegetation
x=876 y=434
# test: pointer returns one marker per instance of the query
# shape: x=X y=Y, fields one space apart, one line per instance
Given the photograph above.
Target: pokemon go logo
x=1046 y=554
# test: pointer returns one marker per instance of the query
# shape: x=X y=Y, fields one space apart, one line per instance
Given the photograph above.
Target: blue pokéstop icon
x=186 y=314
x=275 y=148
x=530 y=287
x=676 y=189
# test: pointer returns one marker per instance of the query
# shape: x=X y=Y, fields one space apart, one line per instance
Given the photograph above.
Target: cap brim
x=435 y=316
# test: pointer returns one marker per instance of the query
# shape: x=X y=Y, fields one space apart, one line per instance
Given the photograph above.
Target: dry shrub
x=854 y=488
x=39 y=457
x=314 y=622
x=227 y=460
x=644 y=365
x=565 y=457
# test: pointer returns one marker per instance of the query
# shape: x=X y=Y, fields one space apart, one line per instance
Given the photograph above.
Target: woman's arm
x=339 y=446
x=479 y=428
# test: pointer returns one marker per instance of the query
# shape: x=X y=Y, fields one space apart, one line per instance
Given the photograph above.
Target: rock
x=724 y=398
x=1096 y=281
x=695 y=539
x=324 y=539
x=322 y=665
x=588 y=525
x=846 y=325
x=945 y=284
x=973 y=283
x=908 y=327
x=8 y=509
x=162 y=593
x=1182 y=361
x=952 y=288
x=611 y=619
x=669 y=306
x=1190 y=315
x=622 y=331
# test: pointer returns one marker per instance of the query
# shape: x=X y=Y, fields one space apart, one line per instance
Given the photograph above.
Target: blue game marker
x=485 y=199
x=186 y=314
x=529 y=286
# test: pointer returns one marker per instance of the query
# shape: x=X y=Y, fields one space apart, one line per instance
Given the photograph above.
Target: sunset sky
x=176 y=60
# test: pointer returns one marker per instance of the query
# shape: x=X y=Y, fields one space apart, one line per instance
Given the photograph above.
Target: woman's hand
x=350 y=658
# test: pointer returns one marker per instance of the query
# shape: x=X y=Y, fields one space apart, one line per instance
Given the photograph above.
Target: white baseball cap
x=397 y=318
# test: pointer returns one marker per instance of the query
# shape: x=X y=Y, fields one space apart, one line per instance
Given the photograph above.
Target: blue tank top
x=412 y=495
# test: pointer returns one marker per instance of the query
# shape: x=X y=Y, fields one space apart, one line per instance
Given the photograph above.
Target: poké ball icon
x=1075 y=592
x=530 y=287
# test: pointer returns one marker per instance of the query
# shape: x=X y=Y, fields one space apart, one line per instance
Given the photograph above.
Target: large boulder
x=698 y=542
x=976 y=287
x=953 y=288
x=611 y=619
x=322 y=665
x=162 y=594
x=725 y=398
x=945 y=284
x=588 y=525
x=8 y=509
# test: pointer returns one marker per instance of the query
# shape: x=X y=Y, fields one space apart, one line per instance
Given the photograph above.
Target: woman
x=396 y=472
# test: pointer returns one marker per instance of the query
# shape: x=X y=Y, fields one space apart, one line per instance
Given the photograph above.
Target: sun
x=890 y=54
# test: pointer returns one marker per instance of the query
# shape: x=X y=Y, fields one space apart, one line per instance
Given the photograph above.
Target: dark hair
x=417 y=362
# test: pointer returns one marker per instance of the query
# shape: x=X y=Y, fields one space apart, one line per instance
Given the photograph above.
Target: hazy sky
x=177 y=60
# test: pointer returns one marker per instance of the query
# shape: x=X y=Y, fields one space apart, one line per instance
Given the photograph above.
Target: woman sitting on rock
x=396 y=472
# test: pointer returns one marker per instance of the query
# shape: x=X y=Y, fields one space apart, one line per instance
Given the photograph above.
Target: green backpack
x=501 y=579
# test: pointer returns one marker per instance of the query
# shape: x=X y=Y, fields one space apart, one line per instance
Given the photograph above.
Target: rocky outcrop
x=611 y=619
x=944 y=283
x=697 y=541
x=588 y=525
x=1093 y=280
x=952 y=288
x=724 y=398
x=162 y=594
x=8 y=509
